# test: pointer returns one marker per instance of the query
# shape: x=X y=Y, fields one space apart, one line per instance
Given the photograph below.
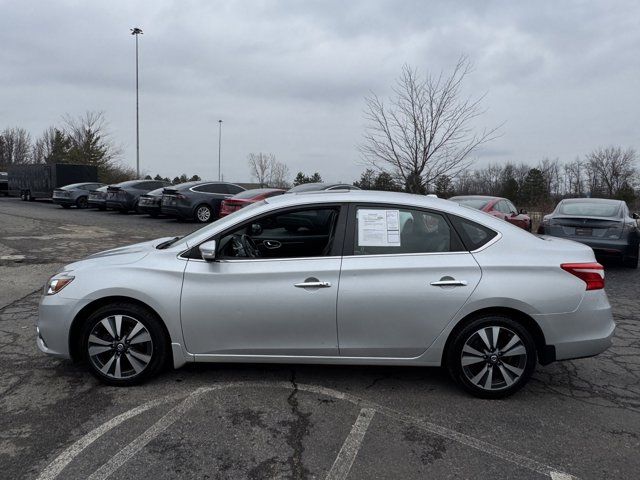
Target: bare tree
x=15 y=146
x=611 y=168
x=574 y=173
x=426 y=128
x=267 y=171
x=279 y=175
x=260 y=165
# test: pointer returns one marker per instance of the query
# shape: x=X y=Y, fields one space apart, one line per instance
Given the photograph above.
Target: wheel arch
x=546 y=353
x=87 y=310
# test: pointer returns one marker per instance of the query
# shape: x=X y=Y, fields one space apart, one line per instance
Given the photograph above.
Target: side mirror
x=636 y=216
x=208 y=250
x=523 y=211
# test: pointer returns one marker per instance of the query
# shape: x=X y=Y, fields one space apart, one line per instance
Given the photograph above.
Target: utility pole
x=135 y=32
x=219 y=150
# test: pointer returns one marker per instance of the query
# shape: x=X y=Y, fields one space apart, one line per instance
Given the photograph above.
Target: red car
x=247 y=197
x=498 y=207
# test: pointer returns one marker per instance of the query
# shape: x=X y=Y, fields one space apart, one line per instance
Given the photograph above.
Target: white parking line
x=342 y=465
x=152 y=432
x=54 y=469
x=62 y=460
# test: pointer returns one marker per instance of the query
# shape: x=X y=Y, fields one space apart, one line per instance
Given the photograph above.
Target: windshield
x=477 y=203
x=197 y=233
x=590 y=209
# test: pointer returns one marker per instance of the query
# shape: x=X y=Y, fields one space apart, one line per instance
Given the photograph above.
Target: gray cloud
x=289 y=77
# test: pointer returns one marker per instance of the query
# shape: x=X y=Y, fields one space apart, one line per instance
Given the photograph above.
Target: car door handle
x=449 y=283
x=271 y=244
x=312 y=285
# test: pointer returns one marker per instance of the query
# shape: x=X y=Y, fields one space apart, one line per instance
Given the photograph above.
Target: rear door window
x=211 y=188
x=388 y=230
x=233 y=189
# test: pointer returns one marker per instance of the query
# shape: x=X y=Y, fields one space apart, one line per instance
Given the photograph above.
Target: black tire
x=27 y=196
x=203 y=213
x=156 y=348
x=82 y=202
x=22 y=196
x=491 y=361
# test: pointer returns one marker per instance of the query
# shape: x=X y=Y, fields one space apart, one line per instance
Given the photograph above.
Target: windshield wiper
x=168 y=243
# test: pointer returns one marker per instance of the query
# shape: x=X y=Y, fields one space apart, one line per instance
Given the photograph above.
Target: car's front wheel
x=492 y=356
x=123 y=344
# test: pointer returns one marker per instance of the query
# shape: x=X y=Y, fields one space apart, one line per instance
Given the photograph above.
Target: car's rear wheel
x=82 y=202
x=123 y=344
x=492 y=357
x=204 y=214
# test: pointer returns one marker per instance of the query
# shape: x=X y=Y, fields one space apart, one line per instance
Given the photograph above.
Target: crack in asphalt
x=298 y=429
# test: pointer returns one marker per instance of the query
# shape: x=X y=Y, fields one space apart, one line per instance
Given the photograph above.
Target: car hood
x=119 y=256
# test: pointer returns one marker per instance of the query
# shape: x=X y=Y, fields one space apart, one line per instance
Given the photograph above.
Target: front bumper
x=55 y=315
x=585 y=332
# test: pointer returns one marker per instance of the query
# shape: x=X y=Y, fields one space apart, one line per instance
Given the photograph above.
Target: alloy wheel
x=120 y=347
x=203 y=214
x=493 y=358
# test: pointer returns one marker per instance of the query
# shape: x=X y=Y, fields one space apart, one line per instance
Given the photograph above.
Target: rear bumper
x=63 y=201
x=177 y=211
x=585 y=332
x=119 y=204
x=149 y=209
x=601 y=246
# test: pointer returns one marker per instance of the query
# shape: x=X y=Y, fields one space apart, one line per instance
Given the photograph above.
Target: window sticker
x=378 y=228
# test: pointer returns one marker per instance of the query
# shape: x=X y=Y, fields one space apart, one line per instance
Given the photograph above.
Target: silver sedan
x=345 y=277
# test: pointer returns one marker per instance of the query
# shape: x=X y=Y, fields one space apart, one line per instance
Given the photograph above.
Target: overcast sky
x=289 y=77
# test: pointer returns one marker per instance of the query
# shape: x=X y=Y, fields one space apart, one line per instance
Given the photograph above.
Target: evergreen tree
x=444 y=187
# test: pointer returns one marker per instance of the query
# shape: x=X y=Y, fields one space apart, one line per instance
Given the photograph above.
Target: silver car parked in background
x=349 y=277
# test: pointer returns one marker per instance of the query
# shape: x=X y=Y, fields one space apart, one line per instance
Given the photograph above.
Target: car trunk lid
x=585 y=227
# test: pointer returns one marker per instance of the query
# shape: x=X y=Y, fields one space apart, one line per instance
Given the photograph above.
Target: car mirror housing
x=523 y=211
x=208 y=250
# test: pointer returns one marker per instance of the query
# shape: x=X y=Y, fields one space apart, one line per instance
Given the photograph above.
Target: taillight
x=590 y=273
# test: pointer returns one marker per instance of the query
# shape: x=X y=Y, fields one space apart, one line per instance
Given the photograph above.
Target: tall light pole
x=135 y=31
x=219 y=150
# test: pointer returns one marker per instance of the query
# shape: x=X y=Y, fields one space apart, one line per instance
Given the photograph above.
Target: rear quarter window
x=474 y=235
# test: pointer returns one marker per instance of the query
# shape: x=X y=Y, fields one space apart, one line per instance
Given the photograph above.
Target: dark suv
x=199 y=201
x=124 y=196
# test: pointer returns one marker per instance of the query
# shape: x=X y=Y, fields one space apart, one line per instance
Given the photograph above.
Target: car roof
x=308 y=187
x=181 y=186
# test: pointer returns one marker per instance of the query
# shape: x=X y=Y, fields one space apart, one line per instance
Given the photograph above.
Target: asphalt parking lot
x=575 y=419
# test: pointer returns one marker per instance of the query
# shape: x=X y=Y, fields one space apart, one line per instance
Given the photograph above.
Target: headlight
x=57 y=283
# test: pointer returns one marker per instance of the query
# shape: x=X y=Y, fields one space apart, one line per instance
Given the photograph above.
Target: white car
x=343 y=277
